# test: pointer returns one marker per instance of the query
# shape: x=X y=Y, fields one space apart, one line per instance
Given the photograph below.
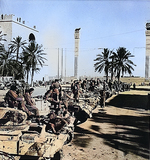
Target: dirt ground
x=120 y=131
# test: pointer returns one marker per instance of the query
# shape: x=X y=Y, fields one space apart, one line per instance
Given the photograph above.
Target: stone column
x=147 y=60
x=76 y=52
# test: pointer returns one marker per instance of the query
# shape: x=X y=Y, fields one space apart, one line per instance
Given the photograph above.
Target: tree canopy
x=115 y=63
x=20 y=58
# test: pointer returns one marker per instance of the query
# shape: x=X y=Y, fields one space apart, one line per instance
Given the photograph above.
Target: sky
x=104 y=24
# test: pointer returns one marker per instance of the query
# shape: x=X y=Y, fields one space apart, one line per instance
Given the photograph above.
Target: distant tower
x=76 y=35
x=147 y=61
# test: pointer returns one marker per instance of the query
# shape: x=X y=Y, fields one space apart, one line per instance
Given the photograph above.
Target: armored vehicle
x=20 y=138
x=84 y=108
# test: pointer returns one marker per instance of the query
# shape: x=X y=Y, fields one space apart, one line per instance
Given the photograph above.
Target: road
x=39 y=91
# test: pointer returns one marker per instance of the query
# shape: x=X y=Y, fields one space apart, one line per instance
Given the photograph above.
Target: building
x=147 y=61
x=14 y=26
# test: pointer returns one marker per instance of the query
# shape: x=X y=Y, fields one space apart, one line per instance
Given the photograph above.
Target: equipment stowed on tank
x=21 y=139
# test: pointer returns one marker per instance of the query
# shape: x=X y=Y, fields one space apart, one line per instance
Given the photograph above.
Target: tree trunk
x=118 y=76
x=32 y=74
x=106 y=77
x=27 y=76
x=112 y=75
x=112 y=72
x=17 y=54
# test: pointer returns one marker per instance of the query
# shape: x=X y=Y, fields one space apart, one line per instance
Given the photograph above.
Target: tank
x=20 y=138
x=84 y=108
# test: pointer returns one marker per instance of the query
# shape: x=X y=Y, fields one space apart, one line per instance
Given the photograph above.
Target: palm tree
x=111 y=65
x=16 y=44
x=122 y=64
x=26 y=64
x=9 y=66
x=5 y=59
x=103 y=62
x=1 y=38
x=33 y=56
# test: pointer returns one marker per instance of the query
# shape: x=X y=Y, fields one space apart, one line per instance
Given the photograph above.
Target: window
x=31 y=37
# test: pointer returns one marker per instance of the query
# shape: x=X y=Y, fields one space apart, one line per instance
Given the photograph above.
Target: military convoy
x=20 y=138
x=24 y=138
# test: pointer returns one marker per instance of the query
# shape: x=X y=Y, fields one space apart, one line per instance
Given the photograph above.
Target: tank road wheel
x=58 y=155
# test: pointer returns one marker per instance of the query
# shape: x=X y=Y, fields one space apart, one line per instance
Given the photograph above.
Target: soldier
x=80 y=83
x=76 y=92
x=52 y=85
x=55 y=123
x=66 y=98
x=57 y=85
x=55 y=100
x=92 y=85
x=15 y=101
x=47 y=95
x=103 y=98
x=98 y=82
x=72 y=86
x=84 y=84
x=30 y=104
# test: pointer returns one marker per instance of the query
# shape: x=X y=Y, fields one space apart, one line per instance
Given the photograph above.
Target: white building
x=14 y=26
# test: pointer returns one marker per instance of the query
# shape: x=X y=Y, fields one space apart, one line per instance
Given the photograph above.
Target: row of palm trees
x=116 y=63
x=20 y=59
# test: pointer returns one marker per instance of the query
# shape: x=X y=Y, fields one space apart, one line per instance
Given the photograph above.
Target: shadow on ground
x=133 y=136
x=131 y=133
x=141 y=89
x=129 y=101
x=82 y=140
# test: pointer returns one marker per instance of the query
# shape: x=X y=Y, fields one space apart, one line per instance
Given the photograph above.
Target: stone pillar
x=147 y=60
x=76 y=52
